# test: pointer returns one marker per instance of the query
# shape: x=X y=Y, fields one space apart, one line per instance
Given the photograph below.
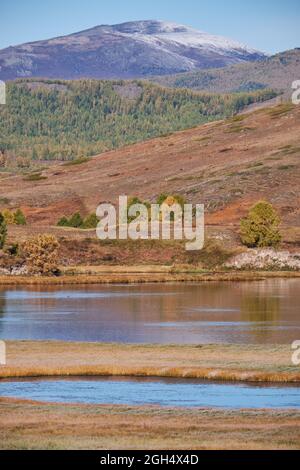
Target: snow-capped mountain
x=129 y=50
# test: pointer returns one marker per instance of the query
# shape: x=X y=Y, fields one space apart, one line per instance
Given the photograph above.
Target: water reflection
x=260 y=308
x=2 y=310
x=254 y=312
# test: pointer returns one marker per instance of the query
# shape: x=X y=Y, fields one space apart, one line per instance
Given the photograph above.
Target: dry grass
x=215 y=362
x=27 y=425
x=97 y=275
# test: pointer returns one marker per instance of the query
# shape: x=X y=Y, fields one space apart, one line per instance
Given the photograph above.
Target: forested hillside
x=60 y=120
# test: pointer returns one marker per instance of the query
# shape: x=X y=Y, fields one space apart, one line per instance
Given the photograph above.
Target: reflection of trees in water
x=2 y=304
x=180 y=302
x=2 y=310
x=260 y=308
x=173 y=303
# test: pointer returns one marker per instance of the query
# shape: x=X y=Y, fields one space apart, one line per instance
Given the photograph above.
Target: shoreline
x=219 y=362
x=138 y=277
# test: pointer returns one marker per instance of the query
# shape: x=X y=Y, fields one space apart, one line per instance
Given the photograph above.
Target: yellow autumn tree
x=42 y=255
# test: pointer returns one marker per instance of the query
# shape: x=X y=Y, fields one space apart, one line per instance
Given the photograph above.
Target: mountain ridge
x=128 y=50
x=276 y=72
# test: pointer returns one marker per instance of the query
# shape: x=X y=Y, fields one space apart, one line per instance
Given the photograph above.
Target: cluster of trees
x=63 y=121
x=14 y=218
x=169 y=199
x=258 y=230
x=77 y=221
x=8 y=217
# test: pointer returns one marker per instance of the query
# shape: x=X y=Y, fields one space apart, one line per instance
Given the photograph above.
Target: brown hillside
x=227 y=165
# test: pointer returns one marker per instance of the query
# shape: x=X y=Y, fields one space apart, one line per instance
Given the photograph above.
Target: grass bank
x=28 y=425
x=249 y=363
x=121 y=275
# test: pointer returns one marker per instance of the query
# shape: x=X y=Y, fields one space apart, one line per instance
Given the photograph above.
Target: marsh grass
x=89 y=275
x=248 y=363
x=29 y=425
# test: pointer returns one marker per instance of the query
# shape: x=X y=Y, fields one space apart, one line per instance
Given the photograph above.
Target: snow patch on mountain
x=167 y=32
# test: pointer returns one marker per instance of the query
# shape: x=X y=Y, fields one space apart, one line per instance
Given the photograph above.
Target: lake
x=260 y=312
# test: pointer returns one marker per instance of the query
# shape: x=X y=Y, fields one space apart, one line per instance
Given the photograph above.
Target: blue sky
x=268 y=25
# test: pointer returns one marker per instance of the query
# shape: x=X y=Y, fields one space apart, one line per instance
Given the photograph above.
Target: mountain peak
x=128 y=50
x=149 y=27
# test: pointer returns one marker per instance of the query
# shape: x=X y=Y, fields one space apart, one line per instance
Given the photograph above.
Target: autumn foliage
x=41 y=254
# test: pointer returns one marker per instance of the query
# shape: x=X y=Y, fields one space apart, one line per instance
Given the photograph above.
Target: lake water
x=216 y=312
x=163 y=392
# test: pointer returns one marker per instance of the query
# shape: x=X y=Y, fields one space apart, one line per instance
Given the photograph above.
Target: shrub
x=212 y=256
x=76 y=220
x=13 y=250
x=4 y=200
x=63 y=222
x=135 y=200
x=14 y=218
x=77 y=161
x=161 y=199
x=8 y=217
x=3 y=231
x=19 y=217
x=171 y=199
x=35 y=177
x=91 y=221
x=261 y=227
x=41 y=254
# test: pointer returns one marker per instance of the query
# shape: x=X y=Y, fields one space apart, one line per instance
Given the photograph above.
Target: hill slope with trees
x=66 y=120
